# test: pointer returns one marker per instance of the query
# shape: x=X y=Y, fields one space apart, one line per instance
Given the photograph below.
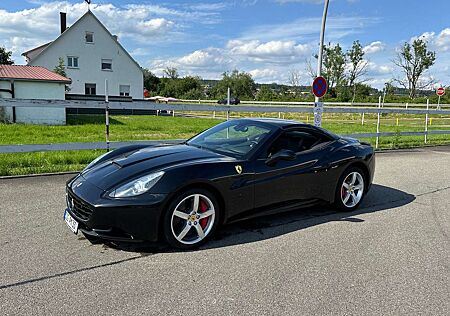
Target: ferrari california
x=181 y=194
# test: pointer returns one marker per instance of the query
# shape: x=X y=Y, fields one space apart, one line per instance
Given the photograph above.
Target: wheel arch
x=354 y=164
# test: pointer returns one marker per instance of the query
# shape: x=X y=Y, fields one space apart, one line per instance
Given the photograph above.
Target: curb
x=39 y=175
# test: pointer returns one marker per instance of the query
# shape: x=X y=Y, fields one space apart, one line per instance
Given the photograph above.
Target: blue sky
x=267 y=38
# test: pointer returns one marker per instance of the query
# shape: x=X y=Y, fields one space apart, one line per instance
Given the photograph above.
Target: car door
x=291 y=183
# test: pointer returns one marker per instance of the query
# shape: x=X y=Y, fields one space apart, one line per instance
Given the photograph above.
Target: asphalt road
x=390 y=257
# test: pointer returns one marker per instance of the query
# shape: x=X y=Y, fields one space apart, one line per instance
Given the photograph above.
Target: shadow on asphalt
x=379 y=198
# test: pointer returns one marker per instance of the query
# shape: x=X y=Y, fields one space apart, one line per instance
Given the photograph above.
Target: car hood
x=138 y=163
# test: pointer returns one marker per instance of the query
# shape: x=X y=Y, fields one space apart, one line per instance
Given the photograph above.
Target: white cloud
x=272 y=51
x=211 y=57
x=439 y=42
x=442 y=41
x=265 y=75
x=374 y=47
x=379 y=69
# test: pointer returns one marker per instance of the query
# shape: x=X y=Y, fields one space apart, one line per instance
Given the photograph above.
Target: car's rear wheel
x=350 y=190
x=191 y=219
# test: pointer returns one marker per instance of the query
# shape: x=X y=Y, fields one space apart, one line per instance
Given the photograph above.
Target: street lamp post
x=318 y=105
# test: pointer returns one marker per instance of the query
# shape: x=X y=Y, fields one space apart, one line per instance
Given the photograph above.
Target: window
x=298 y=141
x=72 y=62
x=89 y=37
x=107 y=64
x=232 y=138
x=124 y=90
x=90 y=89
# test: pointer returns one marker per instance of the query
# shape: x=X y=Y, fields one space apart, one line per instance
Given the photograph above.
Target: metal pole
x=439 y=103
x=228 y=102
x=362 y=119
x=322 y=35
x=426 y=121
x=107 y=114
x=320 y=55
x=378 y=122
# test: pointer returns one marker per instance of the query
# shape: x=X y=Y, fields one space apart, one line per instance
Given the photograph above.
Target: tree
x=310 y=70
x=171 y=72
x=334 y=61
x=5 y=57
x=358 y=66
x=265 y=93
x=241 y=84
x=414 y=60
x=60 y=69
x=151 y=82
x=294 y=79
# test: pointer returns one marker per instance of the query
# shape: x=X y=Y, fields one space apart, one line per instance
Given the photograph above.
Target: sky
x=267 y=38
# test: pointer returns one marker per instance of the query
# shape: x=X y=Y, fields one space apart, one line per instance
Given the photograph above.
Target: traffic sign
x=318 y=109
x=319 y=87
x=440 y=91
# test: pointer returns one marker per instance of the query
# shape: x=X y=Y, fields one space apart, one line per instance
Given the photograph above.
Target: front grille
x=80 y=209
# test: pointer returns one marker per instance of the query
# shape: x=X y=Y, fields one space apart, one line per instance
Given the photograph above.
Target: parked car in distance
x=233 y=100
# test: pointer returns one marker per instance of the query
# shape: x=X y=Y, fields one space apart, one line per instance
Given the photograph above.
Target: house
x=91 y=55
x=31 y=82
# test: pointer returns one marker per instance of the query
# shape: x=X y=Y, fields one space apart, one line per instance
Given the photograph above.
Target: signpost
x=319 y=88
x=440 y=92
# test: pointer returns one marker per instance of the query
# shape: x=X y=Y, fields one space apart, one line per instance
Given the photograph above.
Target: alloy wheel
x=193 y=219
x=352 y=189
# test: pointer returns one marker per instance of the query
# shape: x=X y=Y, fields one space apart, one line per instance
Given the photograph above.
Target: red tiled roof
x=20 y=72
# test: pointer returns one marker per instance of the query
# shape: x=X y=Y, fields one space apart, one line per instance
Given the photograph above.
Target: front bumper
x=133 y=219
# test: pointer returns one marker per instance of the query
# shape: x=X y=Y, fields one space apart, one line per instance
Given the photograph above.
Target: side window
x=297 y=141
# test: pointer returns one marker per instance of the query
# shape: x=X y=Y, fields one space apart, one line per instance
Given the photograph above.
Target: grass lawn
x=89 y=128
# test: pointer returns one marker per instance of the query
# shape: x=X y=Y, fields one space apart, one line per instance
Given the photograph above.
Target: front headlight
x=137 y=186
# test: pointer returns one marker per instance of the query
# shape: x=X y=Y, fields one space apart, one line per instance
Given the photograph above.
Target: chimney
x=116 y=37
x=63 y=21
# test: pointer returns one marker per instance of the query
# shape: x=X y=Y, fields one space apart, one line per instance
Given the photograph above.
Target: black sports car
x=236 y=170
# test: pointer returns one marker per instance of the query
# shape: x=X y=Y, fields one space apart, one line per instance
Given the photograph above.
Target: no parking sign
x=319 y=86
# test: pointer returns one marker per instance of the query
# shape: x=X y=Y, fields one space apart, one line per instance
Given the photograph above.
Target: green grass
x=89 y=128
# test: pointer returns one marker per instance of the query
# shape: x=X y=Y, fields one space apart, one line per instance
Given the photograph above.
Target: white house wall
x=36 y=90
x=124 y=70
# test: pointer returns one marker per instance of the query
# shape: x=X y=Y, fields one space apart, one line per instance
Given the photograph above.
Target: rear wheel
x=191 y=219
x=350 y=190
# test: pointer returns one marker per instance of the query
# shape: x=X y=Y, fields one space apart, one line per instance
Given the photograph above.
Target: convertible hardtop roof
x=283 y=124
x=277 y=122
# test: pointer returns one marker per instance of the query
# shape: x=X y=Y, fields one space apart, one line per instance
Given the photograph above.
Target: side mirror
x=283 y=154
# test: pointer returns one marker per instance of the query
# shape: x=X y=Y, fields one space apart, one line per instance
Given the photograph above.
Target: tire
x=187 y=228
x=349 y=196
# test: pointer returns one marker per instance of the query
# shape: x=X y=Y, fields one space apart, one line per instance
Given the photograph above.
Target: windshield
x=234 y=138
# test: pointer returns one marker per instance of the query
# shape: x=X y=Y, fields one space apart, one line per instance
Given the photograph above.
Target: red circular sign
x=440 y=91
x=319 y=87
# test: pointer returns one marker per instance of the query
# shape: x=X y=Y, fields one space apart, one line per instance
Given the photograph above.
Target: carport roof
x=30 y=73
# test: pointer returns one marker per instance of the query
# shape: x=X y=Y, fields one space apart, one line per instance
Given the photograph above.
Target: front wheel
x=350 y=189
x=191 y=219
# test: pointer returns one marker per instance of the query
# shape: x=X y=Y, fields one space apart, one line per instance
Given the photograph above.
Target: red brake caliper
x=203 y=207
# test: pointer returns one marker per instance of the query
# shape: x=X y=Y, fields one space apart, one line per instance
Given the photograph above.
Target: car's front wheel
x=350 y=189
x=191 y=219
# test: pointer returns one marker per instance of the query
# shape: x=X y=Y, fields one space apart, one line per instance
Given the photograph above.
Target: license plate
x=71 y=222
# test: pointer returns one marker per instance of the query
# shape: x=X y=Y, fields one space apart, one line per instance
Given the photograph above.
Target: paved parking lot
x=390 y=257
